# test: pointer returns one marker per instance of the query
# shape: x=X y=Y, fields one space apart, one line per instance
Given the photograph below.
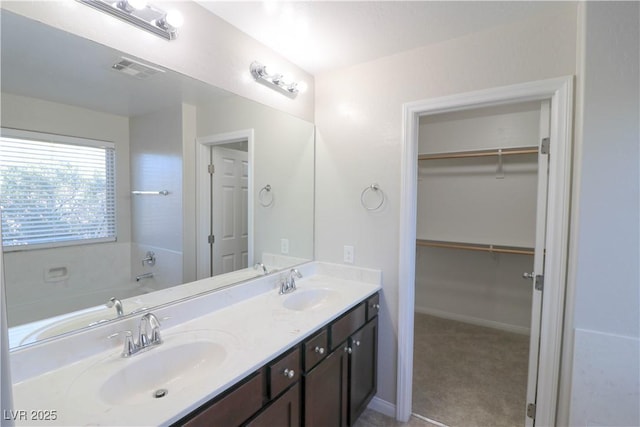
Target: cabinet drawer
x=234 y=408
x=373 y=306
x=340 y=330
x=315 y=349
x=284 y=372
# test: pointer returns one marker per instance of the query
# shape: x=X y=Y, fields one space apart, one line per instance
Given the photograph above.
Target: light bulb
x=267 y=71
x=174 y=18
x=302 y=87
x=137 y=4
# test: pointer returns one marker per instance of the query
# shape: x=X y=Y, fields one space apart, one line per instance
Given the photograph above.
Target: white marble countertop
x=253 y=331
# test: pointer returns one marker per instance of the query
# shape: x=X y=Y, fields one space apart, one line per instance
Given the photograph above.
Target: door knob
x=528 y=275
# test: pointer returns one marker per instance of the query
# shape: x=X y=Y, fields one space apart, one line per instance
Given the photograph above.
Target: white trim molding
x=204 y=195
x=382 y=406
x=560 y=92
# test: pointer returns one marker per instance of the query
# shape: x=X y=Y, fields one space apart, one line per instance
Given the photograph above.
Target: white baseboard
x=383 y=407
x=474 y=320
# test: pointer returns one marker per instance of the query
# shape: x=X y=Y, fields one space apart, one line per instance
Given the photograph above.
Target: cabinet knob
x=348 y=350
x=375 y=306
x=319 y=350
x=357 y=343
x=289 y=373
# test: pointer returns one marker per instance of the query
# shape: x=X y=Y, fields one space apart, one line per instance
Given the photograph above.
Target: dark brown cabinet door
x=363 y=369
x=232 y=408
x=325 y=392
x=283 y=412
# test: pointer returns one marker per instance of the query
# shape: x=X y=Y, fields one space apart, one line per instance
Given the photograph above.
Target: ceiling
x=320 y=36
x=42 y=62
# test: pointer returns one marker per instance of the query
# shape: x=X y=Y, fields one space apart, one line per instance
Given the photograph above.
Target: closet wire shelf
x=479 y=153
x=476 y=247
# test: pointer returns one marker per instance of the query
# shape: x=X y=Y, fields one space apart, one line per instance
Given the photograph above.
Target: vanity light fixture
x=276 y=80
x=142 y=15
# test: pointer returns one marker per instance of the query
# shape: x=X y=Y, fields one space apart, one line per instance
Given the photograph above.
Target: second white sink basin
x=181 y=361
x=307 y=299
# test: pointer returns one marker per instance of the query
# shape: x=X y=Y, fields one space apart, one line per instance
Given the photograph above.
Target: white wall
x=605 y=386
x=91 y=268
x=358 y=117
x=207 y=48
x=157 y=165
x=284 y=159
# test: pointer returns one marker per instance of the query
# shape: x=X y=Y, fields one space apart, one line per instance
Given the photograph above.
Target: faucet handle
x=261 y=266
x=130 y=346
x=149 y=320
x=293 y=274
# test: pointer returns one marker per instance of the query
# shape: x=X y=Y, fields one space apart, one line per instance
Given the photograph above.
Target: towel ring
x=266 y=190
x=375 y=188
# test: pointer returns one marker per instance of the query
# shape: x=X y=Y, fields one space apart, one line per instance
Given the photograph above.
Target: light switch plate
x=284 y=246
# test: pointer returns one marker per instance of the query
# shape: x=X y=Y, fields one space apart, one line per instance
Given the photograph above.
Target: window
x=55 y=190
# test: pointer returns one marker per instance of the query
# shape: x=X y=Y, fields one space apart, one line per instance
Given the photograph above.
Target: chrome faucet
x=115 y=302
x=289 y=284
x=148 y=336
x=149 y=331
x=260 y=265
x=144 y=276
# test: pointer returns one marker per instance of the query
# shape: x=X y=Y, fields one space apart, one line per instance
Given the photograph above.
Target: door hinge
x=531 y=410
x=211 y=169
x=211 y=239
x=544 y=146
x=539 y=280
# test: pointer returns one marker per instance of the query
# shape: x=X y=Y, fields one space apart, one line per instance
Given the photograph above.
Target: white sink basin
x=182 y=360
x=64 y=325
x=307 y=299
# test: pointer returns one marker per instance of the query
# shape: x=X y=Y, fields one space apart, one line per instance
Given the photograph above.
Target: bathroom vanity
x=328 y=379
x=245 y=355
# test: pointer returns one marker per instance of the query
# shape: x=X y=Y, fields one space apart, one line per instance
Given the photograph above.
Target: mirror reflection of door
x=229 y=208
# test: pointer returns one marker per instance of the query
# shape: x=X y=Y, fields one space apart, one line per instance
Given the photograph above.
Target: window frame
x=6 y=132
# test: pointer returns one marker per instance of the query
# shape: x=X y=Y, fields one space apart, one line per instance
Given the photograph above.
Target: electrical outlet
x=284 y=246
x=348 y=254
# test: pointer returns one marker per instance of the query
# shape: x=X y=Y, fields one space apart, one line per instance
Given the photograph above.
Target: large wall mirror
x=126 y=186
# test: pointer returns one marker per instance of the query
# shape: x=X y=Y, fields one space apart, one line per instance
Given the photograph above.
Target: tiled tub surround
x=249 y=320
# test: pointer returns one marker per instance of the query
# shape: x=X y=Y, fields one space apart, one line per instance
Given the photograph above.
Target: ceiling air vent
x=135 y=69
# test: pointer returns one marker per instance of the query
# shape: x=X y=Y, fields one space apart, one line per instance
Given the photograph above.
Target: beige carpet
x=466 y=375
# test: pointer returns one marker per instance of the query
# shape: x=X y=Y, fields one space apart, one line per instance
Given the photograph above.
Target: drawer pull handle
x=319 y=350
x=289 y=373
x=375 y=306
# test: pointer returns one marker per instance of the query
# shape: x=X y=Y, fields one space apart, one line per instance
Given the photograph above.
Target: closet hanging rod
x=479 y=153
x=476 y=247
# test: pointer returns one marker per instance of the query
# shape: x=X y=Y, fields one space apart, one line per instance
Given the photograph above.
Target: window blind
x=55 y=190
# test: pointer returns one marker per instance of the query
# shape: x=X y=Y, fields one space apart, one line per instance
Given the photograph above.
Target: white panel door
x=229 y=202
x=538 y=264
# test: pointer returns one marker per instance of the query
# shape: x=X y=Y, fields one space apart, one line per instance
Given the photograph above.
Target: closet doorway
x=482 y=174
x=493 y=252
